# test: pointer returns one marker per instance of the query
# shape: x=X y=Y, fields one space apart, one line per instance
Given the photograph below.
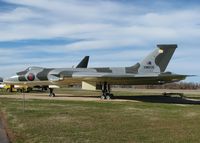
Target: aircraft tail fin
x=158 y=60
x=83 y=63
x=1 y=79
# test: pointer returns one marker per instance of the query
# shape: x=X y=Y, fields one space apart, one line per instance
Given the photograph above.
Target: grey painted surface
x=149 y=71
x=3 y=135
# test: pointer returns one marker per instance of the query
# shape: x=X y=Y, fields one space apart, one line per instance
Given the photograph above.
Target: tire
x=108 y=97
x=102 y=97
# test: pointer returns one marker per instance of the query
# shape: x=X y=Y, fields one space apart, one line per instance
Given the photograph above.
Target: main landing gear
x=51 y=94
x=105 y=88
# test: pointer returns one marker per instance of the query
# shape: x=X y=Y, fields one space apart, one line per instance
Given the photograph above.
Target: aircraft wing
x=117 y=79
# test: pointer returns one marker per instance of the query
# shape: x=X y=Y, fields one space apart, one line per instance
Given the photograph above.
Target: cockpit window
x=27 y=70
x=33 y=68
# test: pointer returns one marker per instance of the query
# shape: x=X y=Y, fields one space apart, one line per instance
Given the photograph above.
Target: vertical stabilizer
x=158 y=60
x=1 y=79
x=83 y=63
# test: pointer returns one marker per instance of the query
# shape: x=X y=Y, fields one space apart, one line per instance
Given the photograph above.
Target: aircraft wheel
x=102 y=97
x=108 y=97
x=53 y=95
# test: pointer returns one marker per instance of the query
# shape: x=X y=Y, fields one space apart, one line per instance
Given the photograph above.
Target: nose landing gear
x=51 y=94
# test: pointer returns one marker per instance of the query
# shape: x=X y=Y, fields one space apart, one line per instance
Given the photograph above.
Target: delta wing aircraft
x=150 y=71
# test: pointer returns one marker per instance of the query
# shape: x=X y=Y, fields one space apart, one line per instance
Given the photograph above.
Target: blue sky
x=58 y=33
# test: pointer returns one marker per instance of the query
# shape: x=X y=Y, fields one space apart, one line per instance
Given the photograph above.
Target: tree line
x=179 y=85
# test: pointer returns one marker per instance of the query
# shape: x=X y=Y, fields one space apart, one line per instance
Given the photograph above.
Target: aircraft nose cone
x=6 y=80
x=10 y=80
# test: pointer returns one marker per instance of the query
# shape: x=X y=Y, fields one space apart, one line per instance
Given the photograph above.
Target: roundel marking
x=149 y=63
x=31 y=77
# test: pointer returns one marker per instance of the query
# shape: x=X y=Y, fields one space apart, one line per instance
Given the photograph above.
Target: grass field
x=101 y=121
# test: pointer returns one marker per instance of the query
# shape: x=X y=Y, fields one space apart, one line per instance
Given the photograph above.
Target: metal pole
x=24 y=99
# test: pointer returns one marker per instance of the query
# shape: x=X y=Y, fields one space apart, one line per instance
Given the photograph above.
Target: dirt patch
x=9 y=133
x=29 y=96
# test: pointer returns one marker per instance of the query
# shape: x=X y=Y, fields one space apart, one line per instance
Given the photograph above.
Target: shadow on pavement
x=160 y=99
x=147 y=98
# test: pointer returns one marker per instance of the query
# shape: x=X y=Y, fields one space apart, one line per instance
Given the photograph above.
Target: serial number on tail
x=149 y=67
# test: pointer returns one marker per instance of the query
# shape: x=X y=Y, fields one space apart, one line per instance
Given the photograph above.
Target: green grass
x=80 y=92
x=101 y=122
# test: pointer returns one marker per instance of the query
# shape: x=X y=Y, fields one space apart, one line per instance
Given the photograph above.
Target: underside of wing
x=117 y=79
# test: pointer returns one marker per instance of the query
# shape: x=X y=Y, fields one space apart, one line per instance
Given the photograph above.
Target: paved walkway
x=3 y=135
